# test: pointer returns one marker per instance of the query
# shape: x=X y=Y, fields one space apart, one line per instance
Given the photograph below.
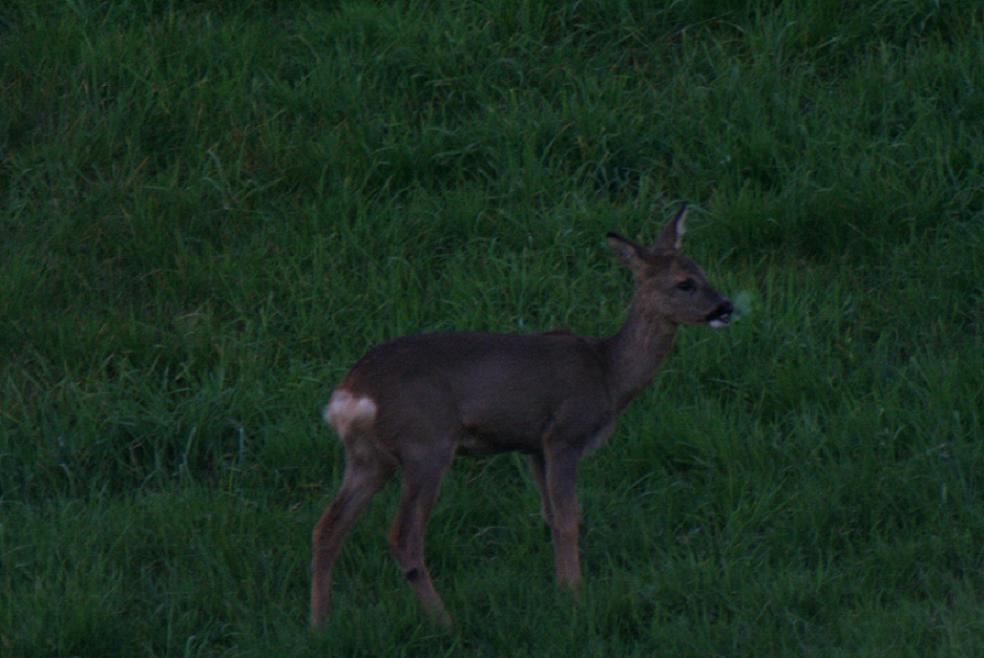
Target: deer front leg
x=538 y=469
x=561 y=472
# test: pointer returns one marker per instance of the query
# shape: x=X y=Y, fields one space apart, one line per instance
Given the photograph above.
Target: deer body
x=415 y=402
x=441 y=384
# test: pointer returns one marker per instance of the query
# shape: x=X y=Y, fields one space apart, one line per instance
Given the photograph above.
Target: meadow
x=210 y=210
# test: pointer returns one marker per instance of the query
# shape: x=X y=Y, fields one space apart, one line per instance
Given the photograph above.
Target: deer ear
x=672 y=235
x=628 y=253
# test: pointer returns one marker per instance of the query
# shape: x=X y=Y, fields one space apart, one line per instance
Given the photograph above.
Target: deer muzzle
x=721 y=316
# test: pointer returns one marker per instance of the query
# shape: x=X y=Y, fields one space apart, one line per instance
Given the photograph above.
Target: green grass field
x=210 y=210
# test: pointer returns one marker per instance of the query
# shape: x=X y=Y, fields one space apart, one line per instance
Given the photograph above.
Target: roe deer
x=416 y=401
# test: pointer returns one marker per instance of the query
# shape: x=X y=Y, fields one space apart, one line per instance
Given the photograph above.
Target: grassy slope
x=209 y=212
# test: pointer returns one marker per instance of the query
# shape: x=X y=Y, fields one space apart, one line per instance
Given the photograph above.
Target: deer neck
x=636 y=352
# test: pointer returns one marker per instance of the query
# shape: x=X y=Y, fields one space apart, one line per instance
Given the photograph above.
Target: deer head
x=669 y=285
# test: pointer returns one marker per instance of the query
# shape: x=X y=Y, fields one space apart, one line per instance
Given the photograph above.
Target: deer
x=414 y=403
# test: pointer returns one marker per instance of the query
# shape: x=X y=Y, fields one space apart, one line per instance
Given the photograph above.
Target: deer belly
x=492 y=435
x=475 y=443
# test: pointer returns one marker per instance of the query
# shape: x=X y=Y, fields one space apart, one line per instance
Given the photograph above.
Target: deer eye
x=687 y=285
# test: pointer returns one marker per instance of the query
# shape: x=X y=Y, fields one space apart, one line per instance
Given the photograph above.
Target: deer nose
x=721 y=315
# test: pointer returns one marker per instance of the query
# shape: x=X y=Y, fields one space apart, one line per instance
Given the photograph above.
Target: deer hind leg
x=366 y=471
x=421 y=484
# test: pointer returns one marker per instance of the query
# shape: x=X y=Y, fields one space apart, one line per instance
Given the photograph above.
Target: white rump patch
x=718 y=324
x=345 y=410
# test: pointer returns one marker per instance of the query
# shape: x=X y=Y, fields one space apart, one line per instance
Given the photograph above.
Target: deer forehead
x=674 y=267
x=682 y=267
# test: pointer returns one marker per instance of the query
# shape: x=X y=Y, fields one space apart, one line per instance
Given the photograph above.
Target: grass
x=211 y=210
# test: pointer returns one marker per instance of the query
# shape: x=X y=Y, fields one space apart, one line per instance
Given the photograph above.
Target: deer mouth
x=721 y=316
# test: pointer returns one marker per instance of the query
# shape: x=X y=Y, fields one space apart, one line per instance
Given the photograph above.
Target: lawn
x=210 y=210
